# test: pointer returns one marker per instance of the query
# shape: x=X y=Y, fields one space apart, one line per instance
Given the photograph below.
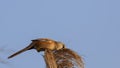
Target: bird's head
x=60 y=45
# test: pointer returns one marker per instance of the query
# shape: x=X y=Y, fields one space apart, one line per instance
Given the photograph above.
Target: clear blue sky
x=89 y=27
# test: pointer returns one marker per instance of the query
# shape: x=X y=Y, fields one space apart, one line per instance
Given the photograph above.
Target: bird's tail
x=31 y=46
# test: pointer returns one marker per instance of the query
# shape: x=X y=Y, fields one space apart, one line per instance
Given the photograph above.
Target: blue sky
x=89 y=27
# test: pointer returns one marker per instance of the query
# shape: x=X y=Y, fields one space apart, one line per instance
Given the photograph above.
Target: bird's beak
x=31 y=46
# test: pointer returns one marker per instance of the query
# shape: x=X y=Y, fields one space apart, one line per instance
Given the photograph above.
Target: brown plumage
x=40 y=45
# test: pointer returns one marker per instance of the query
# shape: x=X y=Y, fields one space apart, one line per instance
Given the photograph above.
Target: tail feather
x=23 y=50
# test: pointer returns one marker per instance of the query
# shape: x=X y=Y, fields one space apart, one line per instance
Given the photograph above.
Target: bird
x=41 y=44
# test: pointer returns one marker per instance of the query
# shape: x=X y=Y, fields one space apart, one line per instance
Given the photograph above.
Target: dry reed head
x=64 y=58
x=49 y=59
